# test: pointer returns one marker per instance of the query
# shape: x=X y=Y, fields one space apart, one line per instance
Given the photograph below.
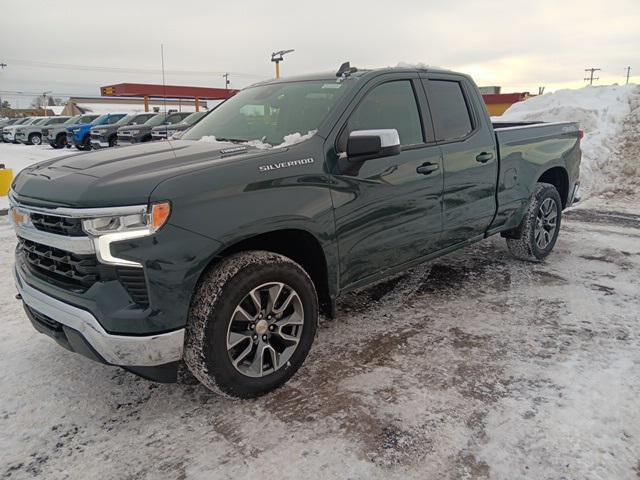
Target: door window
x=451 y=116
x=390 y=105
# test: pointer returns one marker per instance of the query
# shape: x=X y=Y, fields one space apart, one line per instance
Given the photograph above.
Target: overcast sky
x=517 y=44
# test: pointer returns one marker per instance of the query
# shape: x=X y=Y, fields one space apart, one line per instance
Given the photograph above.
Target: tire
x=536 y=235
x=61 y=141
x=34 y=139
x=86 y=143
x=216 y=323
x=112 y=141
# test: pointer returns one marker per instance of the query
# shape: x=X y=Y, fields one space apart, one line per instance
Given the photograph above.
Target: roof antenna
x=345 y=70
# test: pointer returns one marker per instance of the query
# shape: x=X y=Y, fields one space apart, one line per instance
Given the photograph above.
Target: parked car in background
x=32 y=134
x=162 y=132
x=56 y=136
x=107 y=135
x=7 y=122
x=9 y=133
x=142 y=133
x=79 y=135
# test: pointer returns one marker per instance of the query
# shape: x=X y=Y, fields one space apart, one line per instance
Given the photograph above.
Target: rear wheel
x=536 y=235
x=34 y=139
x=252 y=321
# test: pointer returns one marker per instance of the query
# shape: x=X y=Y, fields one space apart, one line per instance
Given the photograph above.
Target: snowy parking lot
x=475 y=365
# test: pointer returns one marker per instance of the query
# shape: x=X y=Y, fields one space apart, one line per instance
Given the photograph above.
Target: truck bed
x=526 y=150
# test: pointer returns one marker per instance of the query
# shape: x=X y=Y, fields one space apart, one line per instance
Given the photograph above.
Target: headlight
x=75 y=130
x=106 y=230
x=170 y=132
x=143 y=223
x=18 y=217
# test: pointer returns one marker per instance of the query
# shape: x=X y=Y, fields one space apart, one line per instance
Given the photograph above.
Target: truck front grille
x=71 y=227
x=71 y=271
x=45 y=132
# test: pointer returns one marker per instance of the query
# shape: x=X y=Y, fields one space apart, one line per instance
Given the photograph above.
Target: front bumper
x=20 y=137
x=99 y=142
x=81 y=329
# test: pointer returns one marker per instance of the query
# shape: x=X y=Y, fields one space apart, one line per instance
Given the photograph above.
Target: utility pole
x=591 y=72
x=2 y=67
x=276 y=57
x=226 y=81
x=628 y=72
x=44 y=102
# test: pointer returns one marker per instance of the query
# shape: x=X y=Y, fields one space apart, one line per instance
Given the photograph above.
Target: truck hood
x=119 y=176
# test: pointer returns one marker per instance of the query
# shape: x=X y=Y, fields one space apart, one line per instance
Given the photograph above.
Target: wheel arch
x=300 y=246
x=559 y=178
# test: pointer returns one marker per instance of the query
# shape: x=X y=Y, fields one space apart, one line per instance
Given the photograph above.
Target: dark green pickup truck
x=217 y=251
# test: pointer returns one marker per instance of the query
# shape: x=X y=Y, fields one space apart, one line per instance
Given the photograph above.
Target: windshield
x=157 y=120
x=139 y=119
x=193 y=118
x=270 y=112
x=99 y=120
x=73 y=120
x=39 y=121
x=87 y=119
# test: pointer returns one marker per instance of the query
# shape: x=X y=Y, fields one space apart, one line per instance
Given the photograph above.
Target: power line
x=98 y=68
x=591 y=72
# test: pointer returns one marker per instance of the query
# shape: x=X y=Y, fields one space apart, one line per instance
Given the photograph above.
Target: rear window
x=451 y=116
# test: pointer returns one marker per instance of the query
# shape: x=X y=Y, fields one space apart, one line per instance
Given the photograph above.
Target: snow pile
x=289 y=140
x=610 y=118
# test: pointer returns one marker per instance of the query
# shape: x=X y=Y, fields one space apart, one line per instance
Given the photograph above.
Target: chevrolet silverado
x=216 y=252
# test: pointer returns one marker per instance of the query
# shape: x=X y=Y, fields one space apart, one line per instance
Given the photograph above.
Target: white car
x=32 y=134
x=9 y=133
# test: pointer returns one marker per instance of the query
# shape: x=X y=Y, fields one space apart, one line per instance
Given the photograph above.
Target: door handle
x=427 y=168
x=484 y=157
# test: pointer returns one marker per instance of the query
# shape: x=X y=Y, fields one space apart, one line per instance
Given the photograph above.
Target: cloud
x=518 y=44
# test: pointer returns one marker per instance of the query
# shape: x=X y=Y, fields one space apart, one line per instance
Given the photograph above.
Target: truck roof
x=358 y=74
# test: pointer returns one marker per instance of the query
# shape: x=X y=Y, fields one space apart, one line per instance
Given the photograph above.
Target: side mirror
x=368 y=144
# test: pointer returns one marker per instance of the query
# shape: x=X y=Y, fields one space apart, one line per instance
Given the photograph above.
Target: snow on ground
x=610 y=118
x=530 y=373
x=473 y=366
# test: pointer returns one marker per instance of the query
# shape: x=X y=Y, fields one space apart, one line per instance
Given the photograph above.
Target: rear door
x=386 y=212
x=469 y=157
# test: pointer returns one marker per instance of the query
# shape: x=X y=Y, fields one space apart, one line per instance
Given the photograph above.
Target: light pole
x=226 y=81
x=276 y=57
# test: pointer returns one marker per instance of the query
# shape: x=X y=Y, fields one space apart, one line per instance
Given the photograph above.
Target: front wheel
x=61 y=141
x=252 y=322
x=536 y=235
x=35 y=139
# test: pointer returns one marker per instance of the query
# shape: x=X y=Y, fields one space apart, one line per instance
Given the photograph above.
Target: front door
x=386 y=212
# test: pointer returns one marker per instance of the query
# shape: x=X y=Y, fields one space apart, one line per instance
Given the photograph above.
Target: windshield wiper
x=232 y=140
